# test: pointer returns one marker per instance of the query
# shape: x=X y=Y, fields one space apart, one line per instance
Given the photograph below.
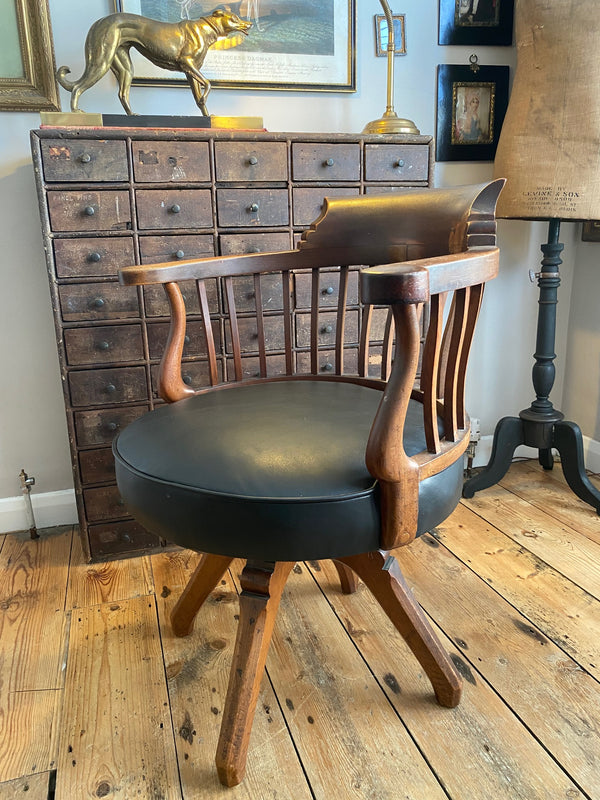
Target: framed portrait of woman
x=471 y=108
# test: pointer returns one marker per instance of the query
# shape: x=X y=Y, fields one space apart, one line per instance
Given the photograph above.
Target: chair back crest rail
x=422 y=259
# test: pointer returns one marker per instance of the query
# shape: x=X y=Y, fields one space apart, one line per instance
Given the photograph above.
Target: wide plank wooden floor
x=99 y=699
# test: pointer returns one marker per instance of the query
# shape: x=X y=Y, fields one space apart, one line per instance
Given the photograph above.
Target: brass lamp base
x=390 y=122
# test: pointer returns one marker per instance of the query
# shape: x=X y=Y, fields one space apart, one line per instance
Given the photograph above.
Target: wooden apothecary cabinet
x=113 y=197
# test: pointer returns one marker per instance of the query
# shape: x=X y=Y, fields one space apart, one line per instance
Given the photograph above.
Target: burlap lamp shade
x=549 y=148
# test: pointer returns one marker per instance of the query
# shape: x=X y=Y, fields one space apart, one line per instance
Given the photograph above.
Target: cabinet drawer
x=157 y=305
x=154 y=249
x=308 y=203
x=173 y=208
x=102 y=503
x=100 y=426
x=89 y=211
x=326 y=361
x=84 y=160
x=251 y=367
x=195 y=341
x=193 y=373
x=170 y=162
x=92 y=257
x=274 y=334
x=327 y=328
x=271 y=290
x=252 y=207
x=396 y=162
x=88 y=301
x=103 y=345
x=329 y=286
x=251 y=161
x=325 y=162
x=111 y=538
x=240 y=243
x=94 y=387
x=97 y=466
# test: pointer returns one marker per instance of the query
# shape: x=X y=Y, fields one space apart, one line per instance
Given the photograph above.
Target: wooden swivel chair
x=299 y=462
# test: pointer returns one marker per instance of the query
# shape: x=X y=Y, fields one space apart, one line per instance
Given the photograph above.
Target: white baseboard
x=49 y=509
x=591 y=452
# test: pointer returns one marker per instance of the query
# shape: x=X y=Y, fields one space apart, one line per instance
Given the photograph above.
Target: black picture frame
x=485 y=22
x=471 y=108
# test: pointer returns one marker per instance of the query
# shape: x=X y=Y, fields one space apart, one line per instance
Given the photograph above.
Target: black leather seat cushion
x=272 y=471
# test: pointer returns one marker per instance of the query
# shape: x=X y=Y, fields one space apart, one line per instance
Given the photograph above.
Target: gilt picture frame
x=471 y=108
x=483 y=22
x=27 y=66
x=297 y=45
x=381 y=35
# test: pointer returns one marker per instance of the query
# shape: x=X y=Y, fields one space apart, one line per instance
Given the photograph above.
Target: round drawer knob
x=95 y=257
x=85 y=158
x=187 y=379
x=329 y=162
x=179 y=254
x=327 y=329
x=253 y=161
x=98 y=302
x=124 y=537
x=112 y=426
x=111 y=388
x=175 y=208
x=120 y=502
x=104 y=345
x=328 y=290
x=399 y=163
x=186 y=339
x=89 y=211
x=327 y=367
x=253 y=250
x=253 y=208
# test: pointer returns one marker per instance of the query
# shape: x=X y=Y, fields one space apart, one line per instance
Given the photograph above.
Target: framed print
x=381 y=35
x=476 y=22
x=293 y=44
x=27 y=81
x=471 y=108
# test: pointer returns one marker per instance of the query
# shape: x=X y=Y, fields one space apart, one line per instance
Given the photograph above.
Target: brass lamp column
x=390 y=122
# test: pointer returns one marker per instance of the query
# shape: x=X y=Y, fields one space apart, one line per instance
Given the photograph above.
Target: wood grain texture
x=31 y=787
x=483 y=729
x=32 y=602
x=116 y=736
x=29 y=731
x=509 y=568
x=538 y=679
x=108 y=581
x=352 y=745
x=569 y=551
x=198 y=669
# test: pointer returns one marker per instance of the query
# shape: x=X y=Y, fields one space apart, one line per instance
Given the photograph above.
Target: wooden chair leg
x=348 y=579
x=208 y=573
x=262 y=585
x=381 y=573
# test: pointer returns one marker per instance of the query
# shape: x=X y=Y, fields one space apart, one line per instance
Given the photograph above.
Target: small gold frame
x=381 y=35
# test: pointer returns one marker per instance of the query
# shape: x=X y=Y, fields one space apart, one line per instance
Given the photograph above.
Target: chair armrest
x=416 y=281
